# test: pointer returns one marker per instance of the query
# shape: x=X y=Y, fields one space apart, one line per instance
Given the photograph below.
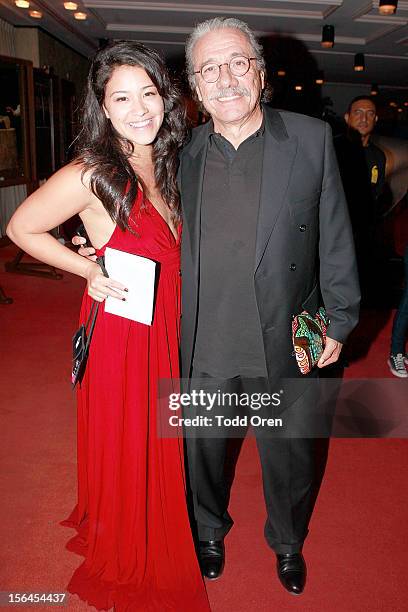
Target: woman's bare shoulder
x=72 y=179
x=74 y=172
x=67 y=188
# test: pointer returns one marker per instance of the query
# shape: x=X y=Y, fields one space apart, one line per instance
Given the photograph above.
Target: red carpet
x=356 y=550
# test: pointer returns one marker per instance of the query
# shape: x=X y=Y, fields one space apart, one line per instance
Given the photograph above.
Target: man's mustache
x=229 y=92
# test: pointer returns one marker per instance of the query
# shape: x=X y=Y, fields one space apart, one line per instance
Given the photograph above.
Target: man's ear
x=105 y=111
x=346 y=117
x=262 y=75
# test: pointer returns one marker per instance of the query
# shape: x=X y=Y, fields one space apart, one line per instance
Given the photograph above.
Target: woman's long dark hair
x=105 y=154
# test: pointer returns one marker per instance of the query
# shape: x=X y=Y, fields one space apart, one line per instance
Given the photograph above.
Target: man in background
x=362 y=169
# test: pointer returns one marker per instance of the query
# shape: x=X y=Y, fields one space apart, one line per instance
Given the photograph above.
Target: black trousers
x=292 y=467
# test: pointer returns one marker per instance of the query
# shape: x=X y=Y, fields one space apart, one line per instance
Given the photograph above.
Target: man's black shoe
x=292 y=572
x=211 y=556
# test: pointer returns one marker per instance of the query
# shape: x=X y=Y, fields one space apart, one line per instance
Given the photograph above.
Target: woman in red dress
x=131 y=517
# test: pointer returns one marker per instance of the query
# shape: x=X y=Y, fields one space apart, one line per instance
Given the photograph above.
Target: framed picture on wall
x=17 y=138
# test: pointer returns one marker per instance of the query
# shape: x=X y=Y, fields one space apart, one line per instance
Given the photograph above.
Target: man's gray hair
x=219 y=23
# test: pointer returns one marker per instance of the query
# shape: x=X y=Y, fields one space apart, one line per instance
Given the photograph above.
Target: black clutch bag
x=82 y=339
x=80 y=346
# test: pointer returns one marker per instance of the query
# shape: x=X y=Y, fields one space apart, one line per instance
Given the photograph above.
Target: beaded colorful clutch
x=309 y=337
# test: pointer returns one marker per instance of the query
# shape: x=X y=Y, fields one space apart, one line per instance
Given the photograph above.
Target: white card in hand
x=138 y=275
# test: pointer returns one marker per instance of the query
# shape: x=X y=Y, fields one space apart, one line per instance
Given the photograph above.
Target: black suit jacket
x=304 y=244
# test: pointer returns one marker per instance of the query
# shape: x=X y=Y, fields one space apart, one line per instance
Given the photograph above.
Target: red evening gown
x=131 y=517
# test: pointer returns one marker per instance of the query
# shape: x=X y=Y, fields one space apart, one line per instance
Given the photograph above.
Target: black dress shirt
x=229 y=338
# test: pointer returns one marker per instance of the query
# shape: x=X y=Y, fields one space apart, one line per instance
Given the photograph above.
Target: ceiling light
x=298 y=87
x=22 y=3
x=374 y=89
x=281 y=73
x=80 y=16
x=405 y=103
x=327 y=36
x=359 y=63
x=387 y=8
x=393 y=104
x=70 y=6
x=35 y=14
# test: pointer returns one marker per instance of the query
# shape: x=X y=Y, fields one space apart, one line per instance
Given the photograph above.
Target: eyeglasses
x=238 y=66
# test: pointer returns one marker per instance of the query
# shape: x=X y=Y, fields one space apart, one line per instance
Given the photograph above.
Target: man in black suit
x=362 y=170
x=266 y=235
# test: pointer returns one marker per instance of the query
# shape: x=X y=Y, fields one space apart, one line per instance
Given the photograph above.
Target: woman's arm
x=60 y=198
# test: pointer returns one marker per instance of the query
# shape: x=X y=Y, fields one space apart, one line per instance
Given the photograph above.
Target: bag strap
x=90 y=323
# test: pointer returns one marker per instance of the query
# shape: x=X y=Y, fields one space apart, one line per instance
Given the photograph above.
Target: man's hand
x=88 y=252
x=331 y=353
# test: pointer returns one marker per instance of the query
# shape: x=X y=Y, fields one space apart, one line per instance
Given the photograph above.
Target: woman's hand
x=99 y=286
